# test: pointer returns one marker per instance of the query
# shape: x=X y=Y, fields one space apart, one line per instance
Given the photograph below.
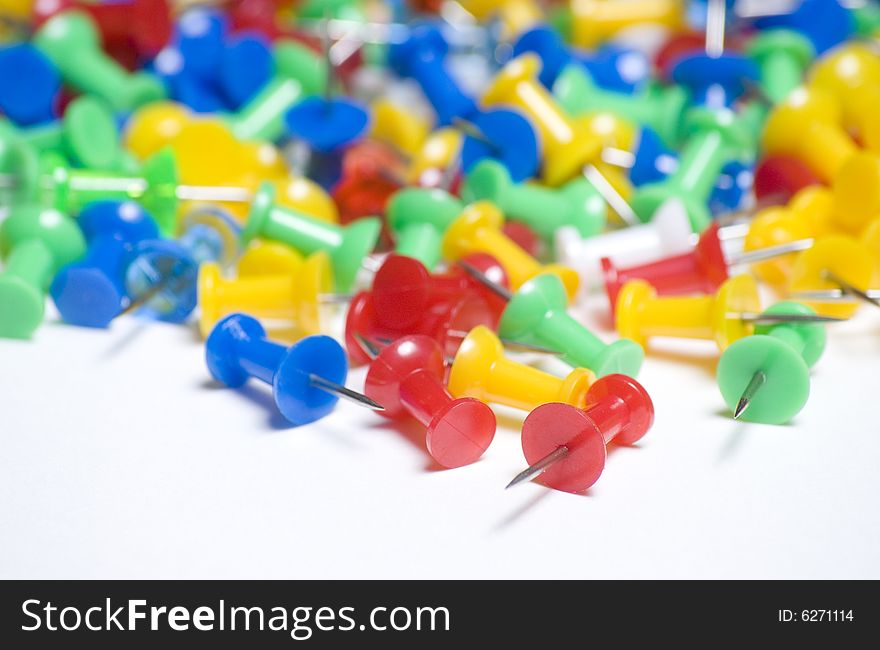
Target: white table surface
x=120 y=459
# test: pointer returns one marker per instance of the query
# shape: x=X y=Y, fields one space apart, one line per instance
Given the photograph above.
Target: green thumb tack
x=536 y=314
x=766 y=377
x=71 y=41
x=346 y=245
x=545 y=210
x=35 y=242
x=419 y=217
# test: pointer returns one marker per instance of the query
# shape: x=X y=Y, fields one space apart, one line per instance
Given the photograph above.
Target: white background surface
x=120 y=459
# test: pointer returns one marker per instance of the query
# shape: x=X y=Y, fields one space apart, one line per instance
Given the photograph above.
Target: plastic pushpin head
x=783 y=56
x=617 y=408
x=29 y=103
x=806 y=126
x=125 y=220
x=153 y=127
x=35 y=242
x=640 y=314
x=825 y=22
x=510 y=140
x=71 y=41
x=478 y=230
x=783 y=353
x=857 y=192
x=702 y=269
x=406 y=377
x=90 y=293
x=157 y=262
x=715 y=82
x=771 y=227
x=246 y=65
x=347 y=246
x=239 y=337
x=653 y=160
x=419 y=217
x=780 y=177
x=269 y=258
x=90 y=134
x=843 y=72
x=844 y=257
x=539 y=304
x=480 y=370
x=400 y=128
x=327 y=125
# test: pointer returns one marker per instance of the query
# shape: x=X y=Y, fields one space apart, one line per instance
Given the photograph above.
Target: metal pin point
x=611 y=195
x=716 y=16
x=155 y=289
x=486 y=281
x=371 y=349
x=769 y=252
x=753 y=386
x=832 y=295
x=471 y=130
x=537 y=468
x=850 y=289
x=769 y=319
x=346 y=393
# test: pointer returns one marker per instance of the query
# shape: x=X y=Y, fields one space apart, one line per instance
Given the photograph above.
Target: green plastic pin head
x=296 y=61
x=258 y=216
x=19 y=164
x=416 y=205
x=36 y=242
x=90 y=135
x=783 y=352
x=358 y=240
x=160 y=198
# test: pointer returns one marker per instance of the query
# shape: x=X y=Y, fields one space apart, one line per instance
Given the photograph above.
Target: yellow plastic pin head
x=856 y=193
x=567 y=144
x=845 y=68
x=871 y=239
x=814 y=204
x=641 y=314
x=269 y=258
x=289 y=298
x=594 y=21
x=610 y=129
x=840 y=255
x=480 y=370
x=154 y=126
x=398 y=127
x=438 y=152
x=807 y=126
x=771 y=227
x=306 y=196
x=478 y=230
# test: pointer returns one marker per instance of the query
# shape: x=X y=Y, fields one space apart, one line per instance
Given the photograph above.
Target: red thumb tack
x=404 y=290
x=566 y=445
x=701 y=270
x=447 y=323
x=779 y=178
x=407 y=377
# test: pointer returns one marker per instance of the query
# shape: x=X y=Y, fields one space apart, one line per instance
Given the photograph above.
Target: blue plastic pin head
x=653 y=161
x=825 y=22
x=161 y=275
x=28 y=84
x=422 y=57
x=246 y=65
x=550 y=48
x=238 y=349
x=91 y=292
x=715 y=82
x=508 y=138
x=616 y=68
x=327 y=125
x=733 y=185
x=199 y=36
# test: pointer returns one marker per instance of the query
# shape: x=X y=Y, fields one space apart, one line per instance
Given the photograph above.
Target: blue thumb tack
x=508 y=138
x=716 y=82
x=91 y=292
x=237 y=349
x=28 y=84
